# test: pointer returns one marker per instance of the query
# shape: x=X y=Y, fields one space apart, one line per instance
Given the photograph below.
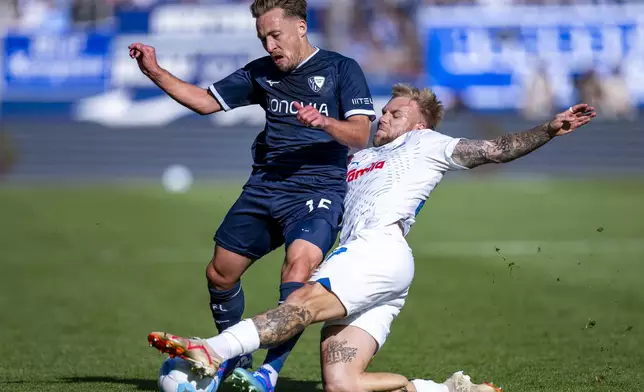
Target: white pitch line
x=525 y=248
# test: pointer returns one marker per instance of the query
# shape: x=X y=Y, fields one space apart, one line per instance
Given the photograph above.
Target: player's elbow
x=207 y=108
x=203 y=111
x=361 y=140
x=360 y=145
x=206 y=104
x=365 y=139
x=360 y=137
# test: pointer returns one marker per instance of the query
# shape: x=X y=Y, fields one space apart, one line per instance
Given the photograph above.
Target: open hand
x=575 y=117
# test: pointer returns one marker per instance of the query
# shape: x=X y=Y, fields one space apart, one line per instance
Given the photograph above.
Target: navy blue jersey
x=286 y=149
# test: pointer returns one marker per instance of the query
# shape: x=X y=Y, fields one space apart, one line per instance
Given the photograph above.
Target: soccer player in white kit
x=362 y=285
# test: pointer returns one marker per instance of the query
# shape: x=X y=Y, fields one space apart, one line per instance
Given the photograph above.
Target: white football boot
x=460 y=382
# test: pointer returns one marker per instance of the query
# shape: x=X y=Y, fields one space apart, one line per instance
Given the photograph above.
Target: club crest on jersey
x=316 y=83
x=354 y=174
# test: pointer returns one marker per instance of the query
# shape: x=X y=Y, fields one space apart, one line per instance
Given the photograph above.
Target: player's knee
x=296 y=272
x=301 y=260
x=218 y=279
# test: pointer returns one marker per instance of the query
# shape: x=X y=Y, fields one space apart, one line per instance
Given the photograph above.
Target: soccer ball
x=176 y=375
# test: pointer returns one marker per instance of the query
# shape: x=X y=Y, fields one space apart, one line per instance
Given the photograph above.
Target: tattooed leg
x=345 y=354
x=310 y=304
x=280 y=324
x=386 y=382
x=338 y=352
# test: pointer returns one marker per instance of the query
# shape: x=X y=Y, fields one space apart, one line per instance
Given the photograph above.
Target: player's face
x=282 y=37
x=399 y=116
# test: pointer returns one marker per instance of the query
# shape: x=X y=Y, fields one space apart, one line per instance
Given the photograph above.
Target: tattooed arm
x=472 y=153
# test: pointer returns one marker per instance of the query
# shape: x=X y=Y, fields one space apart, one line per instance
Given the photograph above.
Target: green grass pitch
x=535 y=285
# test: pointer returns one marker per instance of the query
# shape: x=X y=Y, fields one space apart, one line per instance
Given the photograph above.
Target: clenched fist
x=146 y=57
x=310 y=116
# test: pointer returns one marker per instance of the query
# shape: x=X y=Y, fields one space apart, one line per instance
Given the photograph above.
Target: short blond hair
x=430 y=107
x=296 y=8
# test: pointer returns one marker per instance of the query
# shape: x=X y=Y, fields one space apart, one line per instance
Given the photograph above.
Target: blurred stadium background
x=539 y=260
x=493 y=63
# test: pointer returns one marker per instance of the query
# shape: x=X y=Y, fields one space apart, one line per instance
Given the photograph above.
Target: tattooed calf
x=282 y=323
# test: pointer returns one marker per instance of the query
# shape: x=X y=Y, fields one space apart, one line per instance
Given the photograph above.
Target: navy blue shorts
x=262 y=220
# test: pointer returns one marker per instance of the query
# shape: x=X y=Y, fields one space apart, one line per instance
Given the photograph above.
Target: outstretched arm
x=506 y=148
x=193 y=97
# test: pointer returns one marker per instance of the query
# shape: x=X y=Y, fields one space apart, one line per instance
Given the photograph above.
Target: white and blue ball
x=176 y=375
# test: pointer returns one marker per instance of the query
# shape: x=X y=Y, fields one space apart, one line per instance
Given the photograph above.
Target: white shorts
x=371 y=276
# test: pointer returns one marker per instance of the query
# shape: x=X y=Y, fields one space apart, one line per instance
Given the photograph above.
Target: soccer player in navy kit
x=318 y=105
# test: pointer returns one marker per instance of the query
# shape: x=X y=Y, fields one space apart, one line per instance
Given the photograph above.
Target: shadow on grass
x=140 y=383
x=284 y=385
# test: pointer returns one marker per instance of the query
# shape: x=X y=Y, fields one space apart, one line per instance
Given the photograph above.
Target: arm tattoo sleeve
x=282 y=323
x=337 y=352
x=472 y=153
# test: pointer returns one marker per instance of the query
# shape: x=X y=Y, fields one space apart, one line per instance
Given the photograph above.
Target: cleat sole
x=242 y=384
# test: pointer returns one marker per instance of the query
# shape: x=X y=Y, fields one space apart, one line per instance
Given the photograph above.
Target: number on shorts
x=324 y=203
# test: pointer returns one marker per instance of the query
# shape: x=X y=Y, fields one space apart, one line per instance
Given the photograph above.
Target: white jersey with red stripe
x=389 y=184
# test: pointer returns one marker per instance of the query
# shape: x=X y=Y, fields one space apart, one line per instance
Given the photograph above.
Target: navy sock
x=227 y=306
x=277 y=355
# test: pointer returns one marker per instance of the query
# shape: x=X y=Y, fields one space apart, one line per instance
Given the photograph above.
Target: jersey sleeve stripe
x=221 y=101
x=365 y=112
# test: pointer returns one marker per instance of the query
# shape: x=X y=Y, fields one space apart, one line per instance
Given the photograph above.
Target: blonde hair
x=296 y=8
x=430 y=107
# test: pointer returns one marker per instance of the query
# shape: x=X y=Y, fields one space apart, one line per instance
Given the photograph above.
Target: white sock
x=429 y=386
x=271 y=373
x=241 y=338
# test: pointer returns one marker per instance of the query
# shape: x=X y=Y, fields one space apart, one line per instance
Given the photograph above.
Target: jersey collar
x=308 y=58
x=397 y=142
